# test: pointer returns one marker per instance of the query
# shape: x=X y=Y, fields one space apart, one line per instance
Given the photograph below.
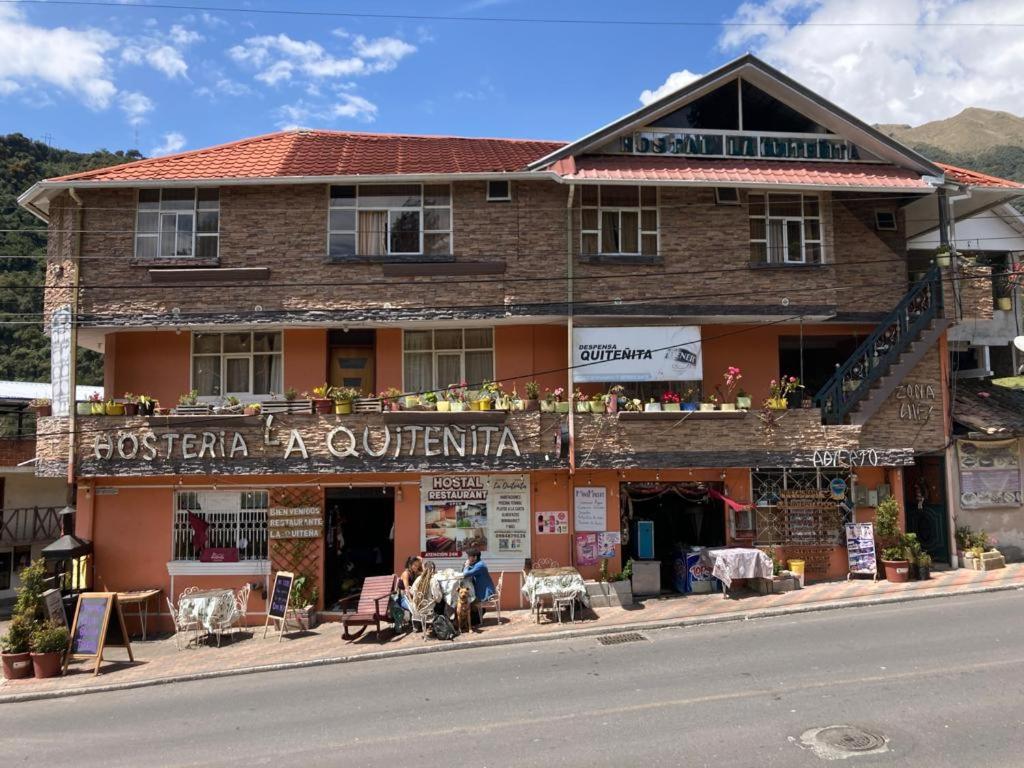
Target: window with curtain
x=177 y=224
x=245 y=363
x=619 y=220
x=435 y=359
x=233 y=519
x=785 y=229
x=389 y=220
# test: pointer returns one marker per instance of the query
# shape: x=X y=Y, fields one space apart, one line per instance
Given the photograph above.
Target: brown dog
x=463 y=611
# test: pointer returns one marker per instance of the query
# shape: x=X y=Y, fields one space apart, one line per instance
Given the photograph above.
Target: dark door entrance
x=360 y=539
x=924 y=487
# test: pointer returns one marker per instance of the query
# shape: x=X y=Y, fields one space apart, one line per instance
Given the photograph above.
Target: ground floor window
x=226 y=519
x=801 y=506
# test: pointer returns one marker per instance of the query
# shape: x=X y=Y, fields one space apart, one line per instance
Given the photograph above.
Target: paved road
x=943 y=680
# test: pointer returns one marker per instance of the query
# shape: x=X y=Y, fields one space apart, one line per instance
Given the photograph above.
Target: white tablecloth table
x=445 y=586
x=213 y=608
x=731 y=563
x=563 y=582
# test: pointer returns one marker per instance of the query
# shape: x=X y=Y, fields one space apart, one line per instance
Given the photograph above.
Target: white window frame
x=421 y=209
x=767 y=218
x=497 y=199
x=224 y=356
x=719 y=200
x=885 y=212
x=179 y=523
x=434 y=352
x=638 y=210
x=161 y=213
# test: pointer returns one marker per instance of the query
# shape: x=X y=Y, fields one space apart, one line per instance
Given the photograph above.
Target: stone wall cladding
x=887 y=428
x=975 y=286
x=704 y=258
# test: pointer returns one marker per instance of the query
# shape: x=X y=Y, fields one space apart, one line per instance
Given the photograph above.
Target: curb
x=696 y=621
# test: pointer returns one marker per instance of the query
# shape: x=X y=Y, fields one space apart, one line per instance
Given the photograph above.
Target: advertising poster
x=606 y=543
x=591 y=505
x=486 y=512
x=552 y=522
x=586 y=549
x=652 y=353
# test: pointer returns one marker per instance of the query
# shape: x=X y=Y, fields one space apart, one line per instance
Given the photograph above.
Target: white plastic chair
x=494 y=601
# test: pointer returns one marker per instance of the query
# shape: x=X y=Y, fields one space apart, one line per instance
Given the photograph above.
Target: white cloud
x=384 y=53
x=348 y=105
x=164 y=52
x=72 y=60
x=173 y=142
x=168 y=60
x=182 y=36
x=904 y=74
x=672 y=83
x=135 y=106
x=355 y=106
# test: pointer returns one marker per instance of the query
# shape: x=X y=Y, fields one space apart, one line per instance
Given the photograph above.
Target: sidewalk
x=158 y=661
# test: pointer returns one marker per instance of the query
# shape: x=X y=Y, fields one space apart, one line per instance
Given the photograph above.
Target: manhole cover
x=838 y=742
x=624 y=637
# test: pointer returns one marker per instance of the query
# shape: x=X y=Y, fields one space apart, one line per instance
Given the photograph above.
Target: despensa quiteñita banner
x=658 y=353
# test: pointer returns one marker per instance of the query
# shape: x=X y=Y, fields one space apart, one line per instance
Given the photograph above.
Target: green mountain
x=24 y=348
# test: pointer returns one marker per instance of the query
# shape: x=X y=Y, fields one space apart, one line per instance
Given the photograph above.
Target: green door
x=925 y=487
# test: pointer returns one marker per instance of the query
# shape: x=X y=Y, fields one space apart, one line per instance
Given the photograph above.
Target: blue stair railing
x=853 y=379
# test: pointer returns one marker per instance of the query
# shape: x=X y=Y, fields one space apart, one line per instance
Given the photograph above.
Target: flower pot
x=323 y=405
x=483 y=404
x=547 y=406
x=96 y=409
x=777 y=403
x=688 y=406
x=458 y=406
x=250 y=411
x=896 y=571
x=652 y=407
x=670 y=407
x=47 y=664
x=942 y=259
x=743 y=403
x=583 y=407
x=147 y=409
x=597 y=406
x=343 y=407
x=444 y=406
x=562 y=407
x=533 y=405
x=16 y=665
x=613 y=404
x=131 y=409
x=924 y=572
x=394 y=406
x=410 y=402
x=83 y=409
x=1004 y=303
x=707 y=406
x=44 y=410
x=727 y=407
x=114 y=409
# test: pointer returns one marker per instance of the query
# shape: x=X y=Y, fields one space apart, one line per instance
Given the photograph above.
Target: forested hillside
x=24 y=348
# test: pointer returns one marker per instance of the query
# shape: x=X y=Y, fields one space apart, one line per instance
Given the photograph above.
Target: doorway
x=814 y=358
x=352 y=358
x=924 y=487
x=359 y=539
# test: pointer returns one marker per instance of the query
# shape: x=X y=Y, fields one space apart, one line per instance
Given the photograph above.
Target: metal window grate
x=622 y=637
x=235 y=519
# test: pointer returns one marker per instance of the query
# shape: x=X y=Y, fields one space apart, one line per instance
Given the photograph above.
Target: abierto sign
x=651 y=353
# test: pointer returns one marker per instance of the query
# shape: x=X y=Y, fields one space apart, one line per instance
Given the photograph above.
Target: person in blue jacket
x=476 y=571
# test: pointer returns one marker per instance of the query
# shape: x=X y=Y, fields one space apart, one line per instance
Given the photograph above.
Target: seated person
x=483 y=588
x=413 y=568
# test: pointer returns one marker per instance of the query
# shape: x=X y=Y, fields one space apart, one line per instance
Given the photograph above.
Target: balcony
x=15 y=451
x=28 y=525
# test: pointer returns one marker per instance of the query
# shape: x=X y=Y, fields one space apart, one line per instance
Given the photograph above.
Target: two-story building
x=742 y=221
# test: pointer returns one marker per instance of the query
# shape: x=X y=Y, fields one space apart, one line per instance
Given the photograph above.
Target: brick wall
x=15 y=450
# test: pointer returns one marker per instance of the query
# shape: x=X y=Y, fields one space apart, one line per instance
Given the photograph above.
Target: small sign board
x=295 y=522
x=55 y=607
x=860 y=549
x=98 y=624
x=280 y=597
x=591 y=508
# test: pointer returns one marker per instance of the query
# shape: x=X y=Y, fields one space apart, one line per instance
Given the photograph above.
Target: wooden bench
x=372 y=607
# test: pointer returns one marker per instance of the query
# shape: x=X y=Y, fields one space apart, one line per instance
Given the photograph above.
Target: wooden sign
x=55 y=607
x=98 y=624
x=280 y=597
x=295 y=522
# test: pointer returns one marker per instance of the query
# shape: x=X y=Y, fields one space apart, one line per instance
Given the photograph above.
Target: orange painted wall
x=305 y=358
x=389 y=359
x=154 y=363
x=522 y=352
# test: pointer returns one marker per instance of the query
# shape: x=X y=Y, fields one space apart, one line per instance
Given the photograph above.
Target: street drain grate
x=624 y=637
x=838 y=742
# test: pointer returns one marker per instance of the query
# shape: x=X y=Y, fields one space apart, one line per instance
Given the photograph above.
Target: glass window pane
x=588 y=195
x=448 y=338
x=266 y=374
x=343 y=220
x=756 y=204
x=206 y=343
x=343 y=196
x=148 y=221
x=630 y=231
x=417 y=340
x=437 y=243
x=784 y=205
x=149 y=199
x=812 y=229
x=589 y=245
x=449 y=369
x=207 y=221
x=167 y=243
x=812 y=251
x=419 y=374
x=437 y=194
x=145 y=247
x=609 y=232
x=237 y=342
x=479 y=367
x=479 y=338
x=810 y=205
x=184 y=246
x=206 y=375
x=649 y=221
x=342 y=246
x=649 y=245
x=588 y=219
x=209 y=199
x=649 y=196
x=794 y=241
x=206 y=246
x=404 y=229
x=620 y=197
x=775 y=242
x=757 y=229
x=178 y=199
x=266 y=342
x=237 y=373
x=389 y=196
x=437 y=218
x=758 y=253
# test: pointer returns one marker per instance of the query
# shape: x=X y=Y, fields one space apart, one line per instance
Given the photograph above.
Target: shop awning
x=732 y=504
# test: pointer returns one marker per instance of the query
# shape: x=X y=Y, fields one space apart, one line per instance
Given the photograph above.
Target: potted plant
x=598 y=404
x=131 y=404
x=15 y=648
x=887 y=528
x=189 y=405
x=743 y=400
x=730 y=380
x=253 y=409
x=430 y=400
x=322 y=402
x=488 y=395
x=455 y=394
x=652 y=406
x=561 y=406
x=113 y=408
x=942 y=256
x=343 y=397
x=709 y=402
x=688 y=401
x=96 y=404
x=670 y=400
x=390 y=397
x=304 y=599
x=924 y=566
x=616 y=392
x=83 y=408
x=779 y=392
x=532 y=396
x=231 y=405
x=42 y=406
x=146 y=405
x=49 y=641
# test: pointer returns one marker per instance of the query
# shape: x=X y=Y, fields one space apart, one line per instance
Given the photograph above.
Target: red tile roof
x=330 y=153
x=976 y=178
x=738 y=171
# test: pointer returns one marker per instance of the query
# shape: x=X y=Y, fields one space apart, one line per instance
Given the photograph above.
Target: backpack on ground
x=443 y=627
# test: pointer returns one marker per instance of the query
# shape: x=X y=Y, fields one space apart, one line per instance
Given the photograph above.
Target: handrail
x=871 y=360
x=23 y=525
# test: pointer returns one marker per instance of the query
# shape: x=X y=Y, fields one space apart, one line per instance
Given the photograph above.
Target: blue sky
x=90 y=77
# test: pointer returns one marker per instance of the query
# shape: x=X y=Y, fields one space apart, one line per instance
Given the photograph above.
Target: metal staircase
x=861 y=385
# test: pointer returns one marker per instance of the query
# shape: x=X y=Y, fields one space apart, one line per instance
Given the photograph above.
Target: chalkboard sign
x=280 y=596
x=55 y=607
x=98 y=623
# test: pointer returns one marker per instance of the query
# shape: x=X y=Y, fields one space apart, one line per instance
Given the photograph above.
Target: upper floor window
x=177 y=224
x=247 y=363
x=785 y=229
x=619 y=220
x=438 y=358
x=390 y=219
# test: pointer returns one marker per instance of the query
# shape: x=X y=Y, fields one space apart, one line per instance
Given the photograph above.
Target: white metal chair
x=182 y=626
x=494 y=601
x=242 y=607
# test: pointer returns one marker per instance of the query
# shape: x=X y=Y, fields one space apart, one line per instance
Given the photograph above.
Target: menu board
x=55 y=607
x=98 y=623
x=860 y=548
x=809 y=517
x=591 y=508
x=281 y=595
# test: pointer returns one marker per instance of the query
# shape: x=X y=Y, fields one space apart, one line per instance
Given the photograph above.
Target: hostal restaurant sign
x=658 y=353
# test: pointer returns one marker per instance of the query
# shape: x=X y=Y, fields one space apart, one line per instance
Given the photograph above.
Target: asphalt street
x=941 y=681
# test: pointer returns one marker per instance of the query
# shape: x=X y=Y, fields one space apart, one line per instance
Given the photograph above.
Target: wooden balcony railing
x=27 y=525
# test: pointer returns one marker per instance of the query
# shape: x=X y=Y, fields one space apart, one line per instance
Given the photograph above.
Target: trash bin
x=796 y=567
